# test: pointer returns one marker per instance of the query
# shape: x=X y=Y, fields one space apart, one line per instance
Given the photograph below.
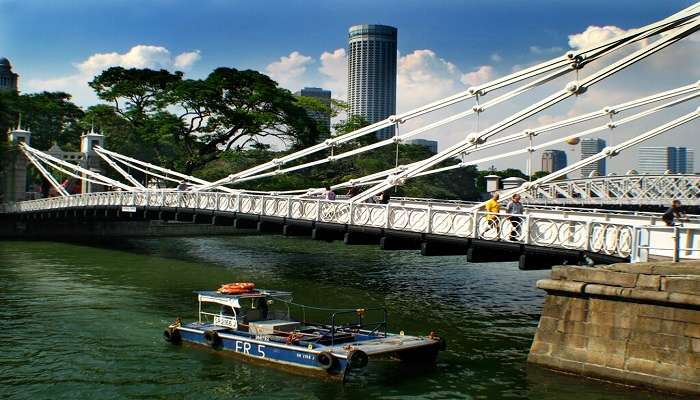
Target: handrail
x=360 y=324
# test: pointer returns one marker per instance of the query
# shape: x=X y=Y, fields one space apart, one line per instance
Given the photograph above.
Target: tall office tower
x=372 y=73
x=658 y=160
x=553 y=160
x=8 y=79
x=589 y=147
x=321 y=118
x=690 y=162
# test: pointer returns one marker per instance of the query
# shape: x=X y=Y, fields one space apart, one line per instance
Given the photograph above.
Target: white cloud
x=483 y=74
x=594 y=35
x=334 y=68
x=495 y=57
x=186 y=60
x=139 y=56
x=424 y=77
x=288 y=69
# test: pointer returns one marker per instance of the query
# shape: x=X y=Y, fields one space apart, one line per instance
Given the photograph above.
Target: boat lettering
x=245 y=347
x=305 y=356
x=262 y=337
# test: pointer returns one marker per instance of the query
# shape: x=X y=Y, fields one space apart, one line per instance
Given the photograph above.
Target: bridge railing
x=674 y=242
x=568 y=233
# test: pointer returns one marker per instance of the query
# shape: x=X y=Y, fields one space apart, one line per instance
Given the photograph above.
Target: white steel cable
x=46 y=174
x=577 y=56
x=571 y=89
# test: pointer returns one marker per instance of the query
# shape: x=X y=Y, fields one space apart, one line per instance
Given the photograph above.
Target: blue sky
x=445 y=45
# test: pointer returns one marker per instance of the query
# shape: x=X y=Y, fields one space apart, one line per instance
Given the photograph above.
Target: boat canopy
x=232 y=300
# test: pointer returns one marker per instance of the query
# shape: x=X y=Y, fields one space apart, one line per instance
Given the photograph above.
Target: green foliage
x=50 y=116
x=203 y=119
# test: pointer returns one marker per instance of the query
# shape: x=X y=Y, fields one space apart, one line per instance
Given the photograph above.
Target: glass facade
x=372 y=73
x=553 y=160
x=8 y=79
x=589 y=147
x=658 y=160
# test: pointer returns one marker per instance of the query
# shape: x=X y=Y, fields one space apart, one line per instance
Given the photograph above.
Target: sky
x=445 y=46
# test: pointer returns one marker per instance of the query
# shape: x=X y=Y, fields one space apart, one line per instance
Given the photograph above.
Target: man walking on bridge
x=493 y=208
x=673 y=213
x=515 y=209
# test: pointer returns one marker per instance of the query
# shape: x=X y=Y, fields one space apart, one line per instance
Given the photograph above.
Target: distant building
x=323 y=119
x=430 y=144
x=553 y=160
x=8 y=79
x=658 y=160
x=589 y=147
x=372 y=73
x=690 y=161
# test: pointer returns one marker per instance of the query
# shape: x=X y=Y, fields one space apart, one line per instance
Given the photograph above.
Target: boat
x=257 y=325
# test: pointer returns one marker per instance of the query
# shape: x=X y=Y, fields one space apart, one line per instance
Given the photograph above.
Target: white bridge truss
x=599 y=232
x=658 y=190
x=605 y=233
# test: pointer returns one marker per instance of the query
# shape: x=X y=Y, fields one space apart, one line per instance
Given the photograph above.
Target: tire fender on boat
x=357 y=358
x=212 y=338
x=172 y=335
x=325 y=359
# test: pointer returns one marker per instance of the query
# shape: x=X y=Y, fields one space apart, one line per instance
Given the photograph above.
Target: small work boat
x=258 y=325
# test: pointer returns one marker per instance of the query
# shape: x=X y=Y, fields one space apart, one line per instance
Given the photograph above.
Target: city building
x=8 y=79
x=430 y=144
x=323 y=119
x=658 y=160
x=690 y=161
x=553 y=160
x=589 y=147
x=372 y=73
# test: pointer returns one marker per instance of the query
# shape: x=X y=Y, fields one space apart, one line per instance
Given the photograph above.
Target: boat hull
x=302 y=359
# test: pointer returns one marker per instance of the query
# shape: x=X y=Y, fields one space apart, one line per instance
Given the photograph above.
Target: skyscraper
x=8 y=79
x=372 y=73
x=658 y=160
x=553 y=160
x=321 y=118
x=690 y=162
x=589 y=147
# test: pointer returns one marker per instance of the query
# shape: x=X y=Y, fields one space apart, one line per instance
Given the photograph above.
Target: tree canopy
x=204 y=118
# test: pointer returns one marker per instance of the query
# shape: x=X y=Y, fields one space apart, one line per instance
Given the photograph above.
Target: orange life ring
x=236 y=288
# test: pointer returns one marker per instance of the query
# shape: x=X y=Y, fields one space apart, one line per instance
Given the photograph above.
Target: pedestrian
x=493 y=208
x=673 y=213
x=329 y=195
x=385 y=197
x=352 y=192
x=515 y=209
x=183 y=186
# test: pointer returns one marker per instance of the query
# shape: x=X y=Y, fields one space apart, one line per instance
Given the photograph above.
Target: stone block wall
x=637 y=324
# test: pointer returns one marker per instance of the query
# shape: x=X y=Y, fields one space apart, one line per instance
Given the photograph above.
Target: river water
x=85 y=322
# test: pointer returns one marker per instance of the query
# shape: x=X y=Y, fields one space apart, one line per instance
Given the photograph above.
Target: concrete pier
x=637 y=324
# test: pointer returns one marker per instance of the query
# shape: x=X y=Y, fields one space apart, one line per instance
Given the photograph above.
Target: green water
x=81 y=322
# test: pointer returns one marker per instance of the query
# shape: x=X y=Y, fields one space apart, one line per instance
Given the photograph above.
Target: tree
x=50 y=116
x=229 y=110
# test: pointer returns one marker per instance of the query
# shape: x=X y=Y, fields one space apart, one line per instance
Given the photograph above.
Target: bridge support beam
x=328 y=232
x=359 y=238
x=433 y=246
x=270 y=225
x=396 y=242
x=492 y=251
x=242 y=223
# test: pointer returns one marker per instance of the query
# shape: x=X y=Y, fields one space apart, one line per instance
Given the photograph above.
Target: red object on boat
x=236 y=288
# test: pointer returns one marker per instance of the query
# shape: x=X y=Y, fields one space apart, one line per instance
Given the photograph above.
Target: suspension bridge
x=549 y=232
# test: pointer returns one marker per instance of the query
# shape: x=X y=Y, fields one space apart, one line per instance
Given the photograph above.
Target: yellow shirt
x=492 y=206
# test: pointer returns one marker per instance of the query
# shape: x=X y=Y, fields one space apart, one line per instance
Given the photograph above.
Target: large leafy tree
x=50 y=116
x=202 y=119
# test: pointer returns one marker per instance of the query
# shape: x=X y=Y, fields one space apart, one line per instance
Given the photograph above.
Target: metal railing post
x=676 y=244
